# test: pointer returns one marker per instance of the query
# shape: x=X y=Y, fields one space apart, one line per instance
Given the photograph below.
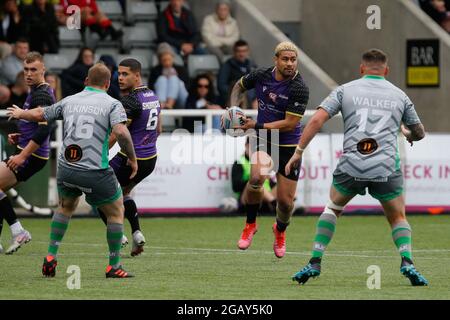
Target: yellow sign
x=423 y=76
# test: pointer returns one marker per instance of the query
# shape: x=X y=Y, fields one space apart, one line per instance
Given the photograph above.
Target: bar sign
x=422 y=69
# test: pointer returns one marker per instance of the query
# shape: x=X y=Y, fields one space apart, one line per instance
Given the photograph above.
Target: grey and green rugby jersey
x=88 y=119
x=372 y=109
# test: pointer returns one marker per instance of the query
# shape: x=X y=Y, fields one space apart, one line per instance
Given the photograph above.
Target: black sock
x=131 y=214
x=315 y=260
x=1 y=224
x=252 y=212
x=103 y=216
x=7 y=210
x=281 y=226
x=406 y=261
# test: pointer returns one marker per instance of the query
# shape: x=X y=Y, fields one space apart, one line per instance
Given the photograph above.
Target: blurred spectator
x=5 y=94
x=201 y=96
x=55 y=83
x=41 y=26
x=13 y=64
x=168 y=80
x=177 y=26
x=10 y=26
x=114 y=90
x=19 y=91
x=439 y=11
x=240 y=175
x=233 y=69
x=92 y=17
x=72 y=79
x=220 y=31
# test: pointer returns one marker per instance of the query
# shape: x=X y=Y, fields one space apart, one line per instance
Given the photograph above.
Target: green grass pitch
x=197 y=258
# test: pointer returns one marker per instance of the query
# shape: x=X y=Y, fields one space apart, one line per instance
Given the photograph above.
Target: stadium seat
x=139 y=37
x=143 y=11
x=70 y=38
x=110 y=51
x=111 y=9
x=202 y=63
x=70 y=53
x=57 y=62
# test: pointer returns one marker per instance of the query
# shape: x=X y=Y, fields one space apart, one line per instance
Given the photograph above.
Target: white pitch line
x=187 y=251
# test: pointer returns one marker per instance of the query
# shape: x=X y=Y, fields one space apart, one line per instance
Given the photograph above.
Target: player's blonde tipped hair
x=285 y=46
x=99 y=75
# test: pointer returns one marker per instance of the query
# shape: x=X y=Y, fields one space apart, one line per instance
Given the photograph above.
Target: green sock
x=401 y=233
x=324 y=232
x=114 y=233
x=58 y=228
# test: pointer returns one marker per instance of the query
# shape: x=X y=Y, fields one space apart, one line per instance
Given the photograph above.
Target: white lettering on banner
x=202 y=184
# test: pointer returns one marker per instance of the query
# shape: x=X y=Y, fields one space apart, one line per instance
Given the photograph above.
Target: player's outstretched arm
x=414 y=132
x=33 y=115
x=312 y=128
x=123 y=137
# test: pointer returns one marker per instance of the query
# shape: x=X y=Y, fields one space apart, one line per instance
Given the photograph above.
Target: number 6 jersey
x=142 y=108
x=372 y=109
x=88 y=120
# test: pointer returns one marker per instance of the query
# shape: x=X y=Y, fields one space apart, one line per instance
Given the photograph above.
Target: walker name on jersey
x=374 y=103
x=86 y=109
x=150 y=105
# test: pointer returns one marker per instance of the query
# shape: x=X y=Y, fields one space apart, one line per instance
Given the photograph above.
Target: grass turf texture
x=197 y=258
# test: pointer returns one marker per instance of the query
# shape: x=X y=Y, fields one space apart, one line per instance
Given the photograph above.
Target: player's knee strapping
x=401 y=234
x=326 y=226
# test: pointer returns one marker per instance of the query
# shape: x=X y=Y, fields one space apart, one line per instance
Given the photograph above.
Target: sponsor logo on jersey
x=148 y=94
x=150 y=105
x=282 y=96
x=264 y=88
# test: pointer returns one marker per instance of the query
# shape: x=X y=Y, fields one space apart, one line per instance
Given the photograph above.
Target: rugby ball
x=231 y=118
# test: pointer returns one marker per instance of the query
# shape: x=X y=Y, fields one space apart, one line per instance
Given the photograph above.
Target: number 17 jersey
x=372 y=109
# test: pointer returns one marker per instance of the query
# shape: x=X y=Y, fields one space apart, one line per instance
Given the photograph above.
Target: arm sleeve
x=410 y=116
x=117 y=114
x=132 y=106
x=333 y=103
x=298 y=99
x=54 y=112
x=237 y=183
x=248 y=81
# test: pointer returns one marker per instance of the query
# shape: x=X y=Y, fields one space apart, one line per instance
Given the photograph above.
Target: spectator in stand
x=19 y=91
x=92 y=17
x=220 y=31
x=13 y=64
x=233 y=69
x=201 y=96
x=114 y=90
x=177 y=26
x=438 y=11
x=10 y=26
x=168 y=80
x=55 y=83
x=41 y=26
x=5 y=94
x=17 y=94
x=72 y=79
